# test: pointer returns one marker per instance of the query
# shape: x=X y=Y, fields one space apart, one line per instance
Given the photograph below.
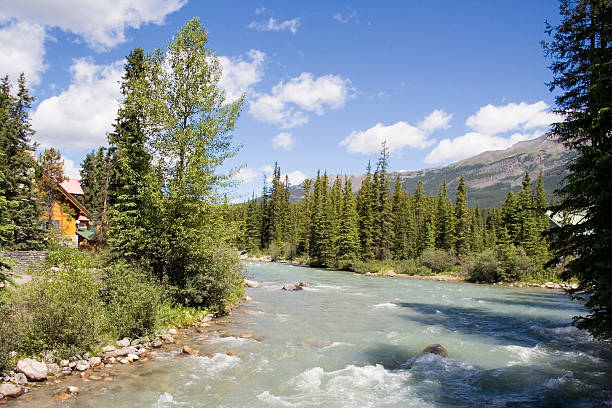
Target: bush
x=132 y=301
x=216 y=282
x=412 y=267
x=372 y=266
x=484 y=267
x=61 y=255
x=62 y=311
x=515 y=264
x=9 y=330
x=281 y=250
x=438 y=260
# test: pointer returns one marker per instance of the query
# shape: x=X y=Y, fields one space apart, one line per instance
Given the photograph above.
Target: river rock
x=53 y=368
x=33 y=370
x=81 y=365
x=108 y=349
x=71 y=389
x=11 y=390
x=64 y=363
x=173 y=331
x=123 y=343
x=292 y=287
x=303 y=284
x=95 y=361
x=132 y=357
x=156 y=344
x=435 y=349
x=135 y=342
x=189 y=350
x=251 y=284
x=19 y=379
x=121 y=352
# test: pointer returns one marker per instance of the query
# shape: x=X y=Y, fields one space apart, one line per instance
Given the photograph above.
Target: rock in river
x=11 y=390
x=435 y=349
x=291 y=287
x=33 y=370
x=251 y=284
x=190 y=350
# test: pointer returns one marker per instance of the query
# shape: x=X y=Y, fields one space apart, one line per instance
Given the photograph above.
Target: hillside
x=490 y=174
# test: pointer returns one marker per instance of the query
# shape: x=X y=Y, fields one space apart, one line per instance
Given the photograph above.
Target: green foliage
x=20 y=207
x=484 y=267
x=438 y=260
x=506 y=263
x=9 y=330
x=580 y=55
x=462 y=220
x=49 y=173
x=132 y=301
x=62 y=311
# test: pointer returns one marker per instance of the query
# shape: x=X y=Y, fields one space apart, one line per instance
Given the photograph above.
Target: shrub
x=484 y=267
x=515 y=264
x=62 y=311
x=61 y=255
x=438 y=260
x=215 y=282
x=412 y=267
x=132 y=301
x=372 y=266
x=281 y=250
x=9 y=330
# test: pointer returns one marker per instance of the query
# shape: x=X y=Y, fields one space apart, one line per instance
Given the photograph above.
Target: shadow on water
x=547 y=303
x=446 y=382
x=505 y=328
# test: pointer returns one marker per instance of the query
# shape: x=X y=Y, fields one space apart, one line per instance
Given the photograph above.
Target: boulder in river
x=123 y=343
x=190 y=350
x=251 y=284
x=11 y=390
x=291 y=287
x=33 y=370
x=435 y=349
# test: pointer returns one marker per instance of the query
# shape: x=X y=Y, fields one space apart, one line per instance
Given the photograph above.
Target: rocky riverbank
x=65 y=377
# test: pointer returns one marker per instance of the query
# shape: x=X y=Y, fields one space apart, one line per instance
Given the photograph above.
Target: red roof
x=72 y=186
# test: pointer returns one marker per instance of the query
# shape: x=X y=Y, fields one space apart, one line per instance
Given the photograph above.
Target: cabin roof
x=72 y=186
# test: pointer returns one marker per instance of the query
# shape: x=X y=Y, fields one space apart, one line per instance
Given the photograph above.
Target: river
x=355 y=341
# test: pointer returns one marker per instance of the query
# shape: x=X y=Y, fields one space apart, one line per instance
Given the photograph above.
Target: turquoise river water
x=355 y=341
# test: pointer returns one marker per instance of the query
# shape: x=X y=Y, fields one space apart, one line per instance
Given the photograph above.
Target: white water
x=356 y=341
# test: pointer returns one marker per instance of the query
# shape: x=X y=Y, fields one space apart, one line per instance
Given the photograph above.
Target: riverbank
x=565 y=286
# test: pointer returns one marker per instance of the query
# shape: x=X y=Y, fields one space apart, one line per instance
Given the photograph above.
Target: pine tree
x=462 y=221
x=510 y=225
x=348 y=242
x=365 y=198
x=444 y=219
x=383 y=229
x=23 y=208
x=528 y=228
x=401 y=243
x=541 y=204
x=253 y=224
x=304 y=215
x=50 y=172
x=420 y=216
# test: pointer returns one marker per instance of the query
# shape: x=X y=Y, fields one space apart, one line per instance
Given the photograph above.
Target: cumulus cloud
x=283 y=141
x=490 y=119
x=239 y=74
x=474 y=143
x=245 y=175
x=80 y=116
x=102 y=24
x=70 y=170
x=490 y=127
x=273 y=25
x=286 y=104
x=22 y=49
x=396 y=136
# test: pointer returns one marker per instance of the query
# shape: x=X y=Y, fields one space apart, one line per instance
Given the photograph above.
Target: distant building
x=70 y=215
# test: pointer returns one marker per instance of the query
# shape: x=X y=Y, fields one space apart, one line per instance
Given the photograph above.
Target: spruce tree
x=528 y=227
x=510 y=223
x=50 y=172
x=348 y=241
x=365 y=199
x=444 y=219
x=399 y=207
x=383 y=229
x=23 y=208
x=462 y=221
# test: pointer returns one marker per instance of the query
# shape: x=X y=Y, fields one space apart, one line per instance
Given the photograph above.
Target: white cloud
x=283 y=141
x=472 y=144
x=22 y=49
x=273 y=25
x=345 y=19
x=70 y=170
x=286 y=103
x=245 y=175
x=490 y=119
x=102 y=24
x=260 y=10
x=239 y=75
x=296 y=177
x=396 y=136
x=438 y=119
x=79 y=117
x=267 y=168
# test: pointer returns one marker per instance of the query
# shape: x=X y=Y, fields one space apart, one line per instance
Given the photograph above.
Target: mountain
x=490 y=174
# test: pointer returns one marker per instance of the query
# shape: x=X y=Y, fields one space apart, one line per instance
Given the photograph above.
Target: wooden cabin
x=69 y=214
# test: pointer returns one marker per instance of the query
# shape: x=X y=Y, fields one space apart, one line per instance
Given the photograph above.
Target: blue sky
x=326 y=81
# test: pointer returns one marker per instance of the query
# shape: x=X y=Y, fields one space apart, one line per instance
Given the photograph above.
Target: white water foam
x=164 y=400
x=218 y=362
x=386 y=306
x=351 y=386
x=336 y=344
x=525 y=354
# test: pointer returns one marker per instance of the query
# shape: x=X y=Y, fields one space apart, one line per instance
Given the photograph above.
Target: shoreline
x=565 y=287
x=117 y=361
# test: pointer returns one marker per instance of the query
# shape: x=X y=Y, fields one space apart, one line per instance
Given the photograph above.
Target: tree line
x=335 y=227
